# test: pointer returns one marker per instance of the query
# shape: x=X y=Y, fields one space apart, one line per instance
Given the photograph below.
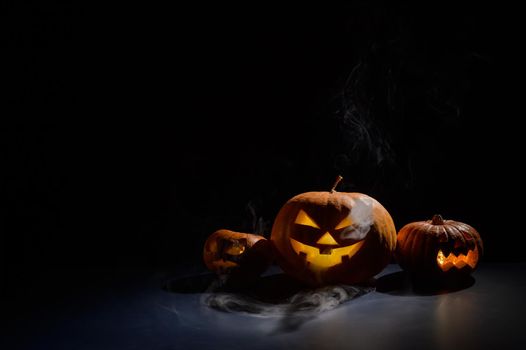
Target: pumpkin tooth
x=326 y=250
x=472 y=257
x=440 y=257
x=460 y=262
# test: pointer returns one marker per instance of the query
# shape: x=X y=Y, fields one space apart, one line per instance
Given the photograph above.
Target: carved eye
x=344 y=223
x=235 y=247
x=304 y=219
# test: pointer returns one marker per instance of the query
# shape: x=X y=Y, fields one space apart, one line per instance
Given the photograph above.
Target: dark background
x=132 y=133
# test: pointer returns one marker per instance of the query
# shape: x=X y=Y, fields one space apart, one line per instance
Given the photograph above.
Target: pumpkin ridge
x=419 y=245
x=370 y=256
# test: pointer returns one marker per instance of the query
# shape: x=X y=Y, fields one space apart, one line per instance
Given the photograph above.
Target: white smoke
x=304 y=304
x=259 y=226
x=361 y=216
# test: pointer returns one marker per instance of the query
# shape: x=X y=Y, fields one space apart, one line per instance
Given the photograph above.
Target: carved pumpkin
x=333 y=237
x=227 y=251
x=438 y=248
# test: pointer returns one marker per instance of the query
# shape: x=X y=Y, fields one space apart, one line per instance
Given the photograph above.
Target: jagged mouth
x=459 y=261
x=324 y=257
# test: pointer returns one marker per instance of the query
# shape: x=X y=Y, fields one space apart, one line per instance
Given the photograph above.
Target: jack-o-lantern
x=333 y=237
x=438 y=248
x=227 y=251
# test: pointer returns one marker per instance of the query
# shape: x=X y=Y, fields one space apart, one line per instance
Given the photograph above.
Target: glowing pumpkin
x=227 y=251
x=333 y=237
x=438 y=247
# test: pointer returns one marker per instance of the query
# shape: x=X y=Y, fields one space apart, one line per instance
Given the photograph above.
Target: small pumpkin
x=438 y=248
x=333 y=237
x=228 y=251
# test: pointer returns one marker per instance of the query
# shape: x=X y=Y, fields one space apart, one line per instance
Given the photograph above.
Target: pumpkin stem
x=338 y=179
x=437 y=220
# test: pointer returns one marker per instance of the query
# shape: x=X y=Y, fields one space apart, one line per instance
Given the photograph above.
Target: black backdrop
x=133 y=133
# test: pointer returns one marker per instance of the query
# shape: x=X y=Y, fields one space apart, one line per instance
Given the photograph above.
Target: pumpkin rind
x=330 y=208
x=252 y=257
x=419 y=244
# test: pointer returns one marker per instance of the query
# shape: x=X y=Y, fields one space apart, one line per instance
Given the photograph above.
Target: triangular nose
x=327 y=239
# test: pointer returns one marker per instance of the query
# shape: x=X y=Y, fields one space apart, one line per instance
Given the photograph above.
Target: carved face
x=228 y=251
x=438 y=247
x=334 y=235
x=457 y=257
x=324 y=237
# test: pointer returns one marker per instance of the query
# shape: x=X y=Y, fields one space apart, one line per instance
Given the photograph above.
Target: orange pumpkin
x=244 y=254
x=438 y=248
x=333 y=237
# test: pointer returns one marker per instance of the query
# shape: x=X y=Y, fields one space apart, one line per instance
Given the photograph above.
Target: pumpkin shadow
x=403 y=284
x=277 y=296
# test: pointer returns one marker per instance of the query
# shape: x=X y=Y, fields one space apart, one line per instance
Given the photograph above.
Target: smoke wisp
x=304 y=303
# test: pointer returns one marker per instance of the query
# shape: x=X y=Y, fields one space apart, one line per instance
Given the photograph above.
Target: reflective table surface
x=184 y=309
